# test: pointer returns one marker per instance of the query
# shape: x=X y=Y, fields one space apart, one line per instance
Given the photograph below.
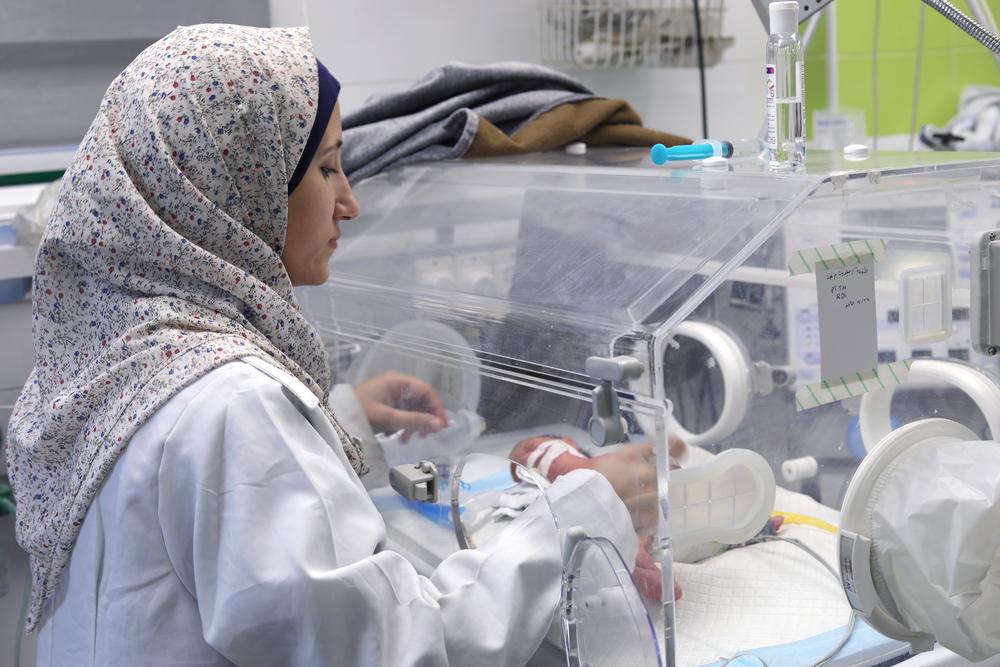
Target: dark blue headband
x=329 y=90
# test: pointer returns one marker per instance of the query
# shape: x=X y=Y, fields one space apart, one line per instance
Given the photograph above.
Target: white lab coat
x=233 y=531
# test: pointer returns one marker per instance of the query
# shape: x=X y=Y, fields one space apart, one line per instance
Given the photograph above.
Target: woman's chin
x=321 y=276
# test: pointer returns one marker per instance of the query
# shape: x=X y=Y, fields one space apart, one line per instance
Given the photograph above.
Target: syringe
x=706 y=148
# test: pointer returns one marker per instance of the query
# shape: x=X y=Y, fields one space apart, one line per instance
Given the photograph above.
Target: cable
x=801 y=545
x=878 y=15
x=982 y=13
x=848 y=631
x=701 y=69
x=729 y=661
x=916 y=77
x=841 y=644
x=851 y=621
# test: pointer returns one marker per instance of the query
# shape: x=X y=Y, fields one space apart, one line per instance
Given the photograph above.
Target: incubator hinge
x=985 y=301
x=606 y=426
x=415 y=481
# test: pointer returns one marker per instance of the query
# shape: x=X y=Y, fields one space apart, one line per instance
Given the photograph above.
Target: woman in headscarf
x=185 y=490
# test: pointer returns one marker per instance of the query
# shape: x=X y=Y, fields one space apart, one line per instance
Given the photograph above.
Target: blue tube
x=660 y=154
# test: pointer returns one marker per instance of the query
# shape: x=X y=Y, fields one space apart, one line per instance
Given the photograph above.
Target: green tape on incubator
x=836 y=256
x=838 y=389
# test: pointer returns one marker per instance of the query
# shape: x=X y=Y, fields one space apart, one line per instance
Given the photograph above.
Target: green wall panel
x=951 y=60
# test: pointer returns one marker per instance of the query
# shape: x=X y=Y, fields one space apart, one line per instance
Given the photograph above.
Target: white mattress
x=761 y=595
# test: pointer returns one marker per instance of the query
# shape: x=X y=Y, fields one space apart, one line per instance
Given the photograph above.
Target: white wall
x=381 y=45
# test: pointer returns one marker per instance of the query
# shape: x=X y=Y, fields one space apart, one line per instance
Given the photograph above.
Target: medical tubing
x=794 y=518
x=969 y=26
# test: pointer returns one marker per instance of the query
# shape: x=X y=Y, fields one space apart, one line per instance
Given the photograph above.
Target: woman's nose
x=347 y=206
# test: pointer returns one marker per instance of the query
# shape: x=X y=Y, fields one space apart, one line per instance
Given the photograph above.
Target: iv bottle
x=785 y=77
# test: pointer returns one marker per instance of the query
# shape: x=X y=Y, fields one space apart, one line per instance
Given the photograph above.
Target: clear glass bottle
x=785 y=77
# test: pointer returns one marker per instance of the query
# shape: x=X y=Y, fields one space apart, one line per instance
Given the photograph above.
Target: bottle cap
x=856 y=152
x=715 y=163
x=784 y=17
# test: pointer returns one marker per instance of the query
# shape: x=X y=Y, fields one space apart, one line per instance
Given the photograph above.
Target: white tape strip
x=836 y=256
x=839 y=389
x=541 y=459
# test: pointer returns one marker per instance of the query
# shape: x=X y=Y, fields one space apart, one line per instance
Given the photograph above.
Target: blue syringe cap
x=658 y=154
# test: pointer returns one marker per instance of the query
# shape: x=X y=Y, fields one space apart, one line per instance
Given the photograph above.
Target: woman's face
x=319 y=202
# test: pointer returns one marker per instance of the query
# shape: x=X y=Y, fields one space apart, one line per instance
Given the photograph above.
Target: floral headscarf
x=160 y=262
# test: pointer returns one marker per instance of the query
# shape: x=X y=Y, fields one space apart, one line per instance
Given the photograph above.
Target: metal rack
x=606 y=34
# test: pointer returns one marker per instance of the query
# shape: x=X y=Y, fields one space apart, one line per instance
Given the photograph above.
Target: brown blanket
x=596 y=122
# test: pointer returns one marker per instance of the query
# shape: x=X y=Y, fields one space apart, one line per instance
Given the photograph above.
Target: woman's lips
x=332 y=243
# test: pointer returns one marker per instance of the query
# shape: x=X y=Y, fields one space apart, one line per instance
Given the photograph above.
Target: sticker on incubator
x=772 y=112
x=847 y=320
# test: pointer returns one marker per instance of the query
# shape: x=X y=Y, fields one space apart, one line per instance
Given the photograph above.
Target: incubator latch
x=985 y=315
x=767 y=378
x=606 y=426
x=415 y=481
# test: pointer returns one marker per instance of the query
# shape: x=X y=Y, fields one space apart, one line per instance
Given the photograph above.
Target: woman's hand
x=392 y=401
x=633 y=477
x=632 y=474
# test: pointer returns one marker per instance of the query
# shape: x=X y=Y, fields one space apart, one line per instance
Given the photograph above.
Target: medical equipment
x=903 y=524
x=601 y=611
x=700 y=150
x=727 y=500
x=457 y=385
x=486 y=493
x=874 y=413
x=676 y=302
x=444 y=447
x=417 y=482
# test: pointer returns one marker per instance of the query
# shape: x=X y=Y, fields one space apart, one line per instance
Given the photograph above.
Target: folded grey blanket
x=437 y=117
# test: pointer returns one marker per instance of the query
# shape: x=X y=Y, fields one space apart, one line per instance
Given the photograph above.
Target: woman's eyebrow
x=333 y=147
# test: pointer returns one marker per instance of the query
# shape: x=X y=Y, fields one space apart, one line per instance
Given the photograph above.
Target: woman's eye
x=327 y=171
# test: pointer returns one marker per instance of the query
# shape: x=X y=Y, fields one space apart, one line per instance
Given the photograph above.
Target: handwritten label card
x=847 y=331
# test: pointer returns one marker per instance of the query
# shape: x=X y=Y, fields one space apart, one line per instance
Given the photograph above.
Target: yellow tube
x=805 y=520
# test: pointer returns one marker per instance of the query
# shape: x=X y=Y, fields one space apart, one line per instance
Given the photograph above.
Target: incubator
x=593 y=311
